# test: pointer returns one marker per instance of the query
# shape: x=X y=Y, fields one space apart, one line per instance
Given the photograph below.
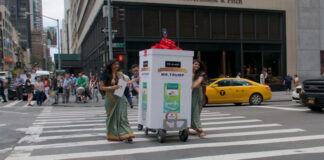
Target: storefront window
x=134 y=21
x=322 y=62
x=261 y=27
x=202 y=26
x=151 y=22
x=274 y=27
x=252 y=65
x=168 y=20
x=233 y=25
x=248 y=26
x=218 y=25
x=272 y=64
x=186 y=23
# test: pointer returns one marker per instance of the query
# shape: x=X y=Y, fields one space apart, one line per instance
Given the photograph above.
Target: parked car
x=6 y=76
x=312 y=94
x=237 y=91
x=296 y=94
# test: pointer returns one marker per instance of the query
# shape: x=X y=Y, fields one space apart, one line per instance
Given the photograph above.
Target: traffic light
x=120 y=58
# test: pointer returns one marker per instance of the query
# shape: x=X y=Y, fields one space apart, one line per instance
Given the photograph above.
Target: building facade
x=310 y=50
x=8 y=44
x=229 y=36
x=36 y=17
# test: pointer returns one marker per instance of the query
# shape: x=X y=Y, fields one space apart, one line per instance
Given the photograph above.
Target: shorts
x=288 y=86
x=60 y=90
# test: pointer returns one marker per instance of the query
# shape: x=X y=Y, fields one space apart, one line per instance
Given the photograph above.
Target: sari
x=118 y=128
x=196 y=104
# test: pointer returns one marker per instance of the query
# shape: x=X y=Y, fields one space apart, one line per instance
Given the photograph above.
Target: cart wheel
x=146 y=131
x=139 y=127
x=183 y=135
x=161 y=134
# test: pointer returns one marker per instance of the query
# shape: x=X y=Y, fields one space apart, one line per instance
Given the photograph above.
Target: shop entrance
x=220 y=63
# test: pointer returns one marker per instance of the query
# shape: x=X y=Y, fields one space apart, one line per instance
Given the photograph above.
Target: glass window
x=322 y=62
x=134 y=21
x=186 y=23
x=224 y=83
x=218 y=25
x=252 y=65
x=272 y=65
x=240 y=82
x=248 y=26
x=275 y=25
x=151 y=22
x=233 y=25
x=261 y=27
x=168 y=18
x=203 y=25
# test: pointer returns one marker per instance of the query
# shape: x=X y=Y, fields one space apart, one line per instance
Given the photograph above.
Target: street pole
x=109 y=31
x=58 y=44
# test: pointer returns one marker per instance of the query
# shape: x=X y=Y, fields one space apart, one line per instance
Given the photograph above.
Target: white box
x=165 y=87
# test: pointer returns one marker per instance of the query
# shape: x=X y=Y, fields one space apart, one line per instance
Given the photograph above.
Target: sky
x=54 y=9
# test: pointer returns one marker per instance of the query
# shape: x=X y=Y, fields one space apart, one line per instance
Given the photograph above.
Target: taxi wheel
x=255 y=99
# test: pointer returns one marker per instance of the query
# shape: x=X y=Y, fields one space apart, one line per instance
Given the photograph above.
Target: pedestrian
x=204 y=84
x=2 y=88
x=29 y=89
x=86 y=87
x=262 y=78
x=39 y=88
x=127 y=93
x=81 y=82
x=94 y=88
x=60 y=82
x=118 y=128
x=67 y=84
x=19 y=86
x=54 y=87
x=238 y=75
x=73 y=88
x=296 y=80
x=198 y=77
x=46 y=85
x=135 y=78
x=287 y=83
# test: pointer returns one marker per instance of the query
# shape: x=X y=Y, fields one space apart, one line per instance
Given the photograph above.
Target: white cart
x=165 y=92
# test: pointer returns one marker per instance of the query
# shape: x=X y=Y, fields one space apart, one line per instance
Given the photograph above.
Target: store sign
x=219 y=1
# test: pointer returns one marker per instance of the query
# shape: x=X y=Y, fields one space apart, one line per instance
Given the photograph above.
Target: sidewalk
x=280 y=96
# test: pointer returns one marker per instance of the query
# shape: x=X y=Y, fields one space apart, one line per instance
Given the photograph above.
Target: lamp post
x=58 y=37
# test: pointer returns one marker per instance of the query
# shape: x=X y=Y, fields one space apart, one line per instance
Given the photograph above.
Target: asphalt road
x=273 y=130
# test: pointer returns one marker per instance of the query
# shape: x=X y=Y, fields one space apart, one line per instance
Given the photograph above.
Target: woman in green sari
x=118 y=128
x=197 y=93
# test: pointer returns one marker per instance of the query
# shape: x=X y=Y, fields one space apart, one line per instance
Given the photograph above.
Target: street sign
x=117 y=45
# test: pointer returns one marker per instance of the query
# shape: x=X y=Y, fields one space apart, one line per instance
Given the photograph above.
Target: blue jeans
x=39 y=97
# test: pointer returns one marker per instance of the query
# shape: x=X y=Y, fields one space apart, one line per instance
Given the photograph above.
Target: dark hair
x=200 y=70
x=134 y=66
x=108 y=72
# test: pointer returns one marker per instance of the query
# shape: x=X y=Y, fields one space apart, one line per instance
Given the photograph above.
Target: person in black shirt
x=2 y=88
x=29 y=89
x=53 y=86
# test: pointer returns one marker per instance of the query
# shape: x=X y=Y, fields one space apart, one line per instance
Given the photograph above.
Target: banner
x=51 y=33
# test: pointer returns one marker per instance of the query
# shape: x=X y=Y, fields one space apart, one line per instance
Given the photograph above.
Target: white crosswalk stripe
x=12 y=104
x=81 y=129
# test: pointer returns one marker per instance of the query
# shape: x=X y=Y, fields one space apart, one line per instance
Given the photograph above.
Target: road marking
x=91 y=120
x=280 y=108
x=264 y=154
x=2 y=151
x=165 y=148
x=206 y=129
x=96 y=117
x=2 y=125
x=103 y=142
x=32 y=103
x=13 y=112
x=12 y=104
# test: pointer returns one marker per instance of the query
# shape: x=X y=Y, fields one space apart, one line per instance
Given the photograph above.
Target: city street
x=273 y=130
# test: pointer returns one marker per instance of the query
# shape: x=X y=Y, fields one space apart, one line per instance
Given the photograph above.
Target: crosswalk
x=79 y=133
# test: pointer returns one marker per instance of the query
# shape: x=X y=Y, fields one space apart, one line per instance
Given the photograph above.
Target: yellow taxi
x=237 y=91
